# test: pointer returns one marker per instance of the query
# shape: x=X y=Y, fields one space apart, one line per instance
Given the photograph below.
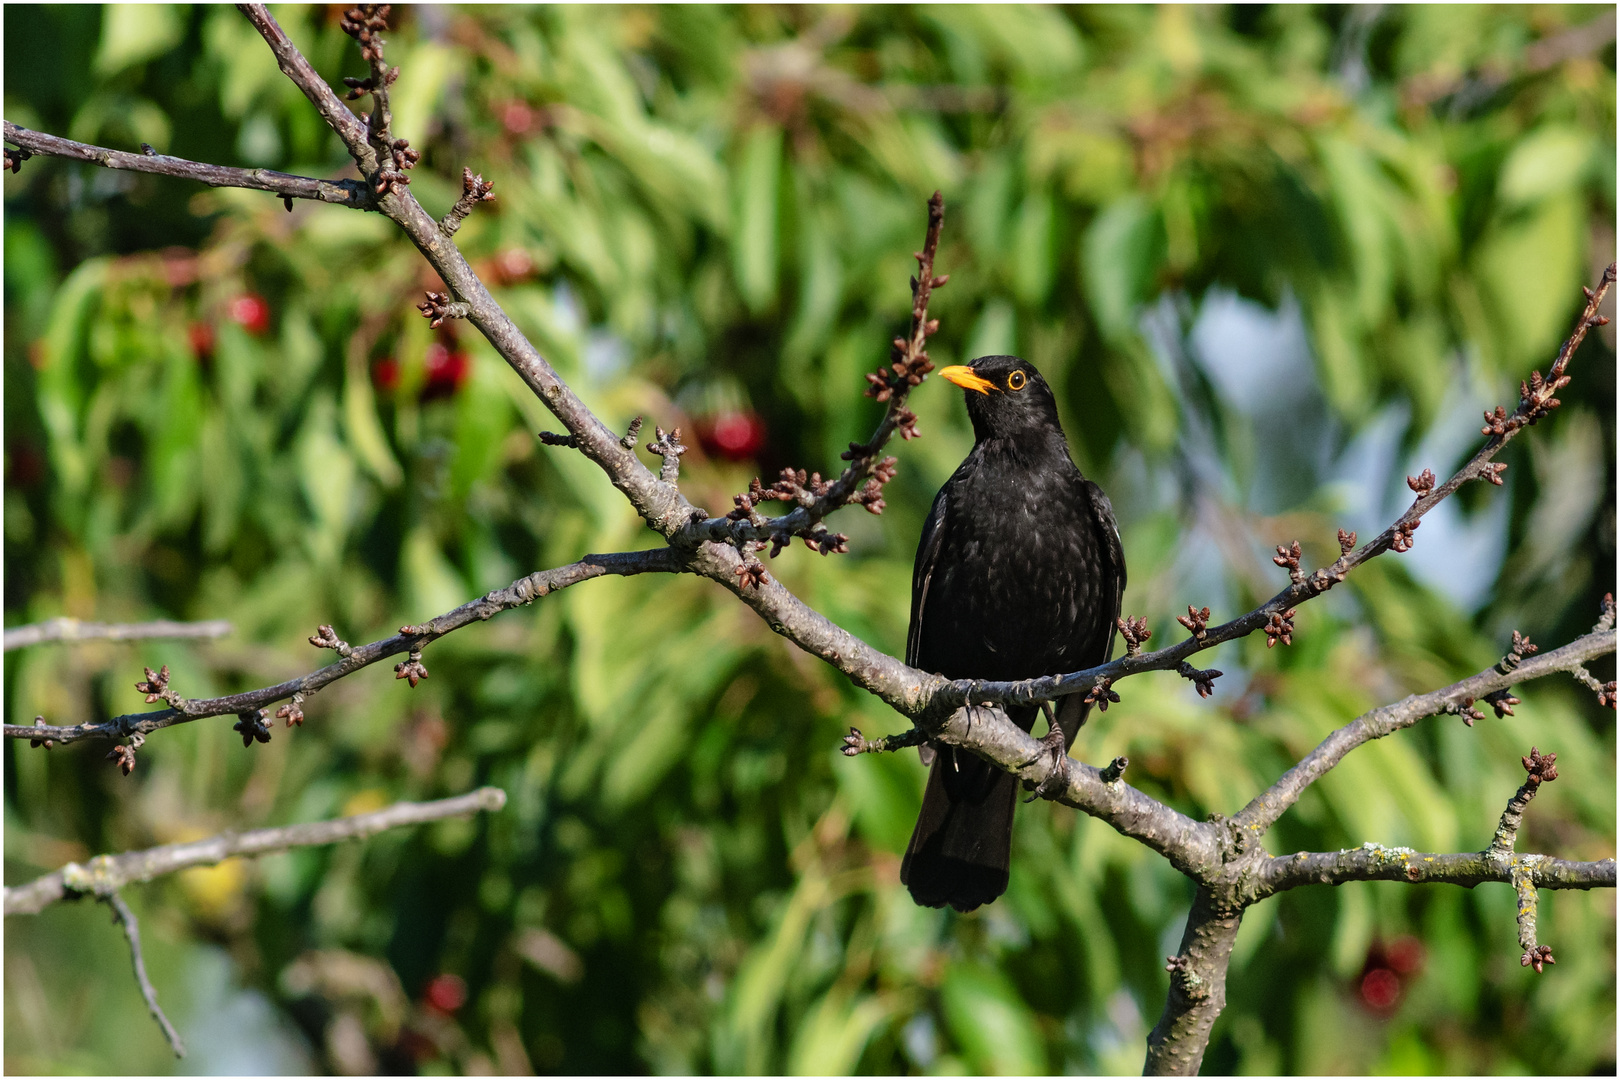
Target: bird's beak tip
x=966 y=378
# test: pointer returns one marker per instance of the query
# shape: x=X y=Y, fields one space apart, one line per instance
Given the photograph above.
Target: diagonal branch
x=658 y=503
x=1267 y=807
x=350 y=193
x=104 y=875
x=1536 y=401
x=70 y=630
x=410 y=639
x=132 y=931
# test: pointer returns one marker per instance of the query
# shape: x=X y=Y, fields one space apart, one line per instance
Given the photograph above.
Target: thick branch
x=104 y=875
x=350 y=193
x=132 y=931
x=66 y=629
x=1193 y=847
x=411 y=639
x=1177 y=1042
x=1266 y=808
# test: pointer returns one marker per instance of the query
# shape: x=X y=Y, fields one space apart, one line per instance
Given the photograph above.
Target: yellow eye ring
x=1015 y=381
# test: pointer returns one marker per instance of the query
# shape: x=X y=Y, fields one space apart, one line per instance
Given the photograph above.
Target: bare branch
x=474 y=190
x=411 y=638
x=72 y=630
x=132 y=930
x=350 y=193
x=1267 y=807
x=1193 y=847
x=658 y=503
x=104 y=875
x=1375 y=862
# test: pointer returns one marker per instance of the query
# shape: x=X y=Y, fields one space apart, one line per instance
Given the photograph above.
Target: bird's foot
x=1057 y=781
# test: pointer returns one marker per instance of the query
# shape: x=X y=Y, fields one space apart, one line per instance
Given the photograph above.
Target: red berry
x=735 y=436
x=445 y=993
x=1406 y=955
x=201 y=335
x=385 y=373
x=1380 y=989
x=251 y=312
x=446 y=371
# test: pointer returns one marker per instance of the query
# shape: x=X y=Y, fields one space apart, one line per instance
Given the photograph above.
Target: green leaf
x=754 y=241
x=1548 y=162
x=990 y=1022
x=133 y=33
x=1119 y=259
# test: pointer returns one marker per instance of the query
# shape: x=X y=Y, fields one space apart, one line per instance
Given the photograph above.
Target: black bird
x=1019 y=574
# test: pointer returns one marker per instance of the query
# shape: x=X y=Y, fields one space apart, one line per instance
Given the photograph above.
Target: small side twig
x=132 y=930
x=474 y=190
x=1540 y=769
x=439 y=307
x=668 y=446
x=855 y=743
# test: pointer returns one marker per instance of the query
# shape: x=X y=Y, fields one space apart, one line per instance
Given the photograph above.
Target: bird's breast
x=1017 y=586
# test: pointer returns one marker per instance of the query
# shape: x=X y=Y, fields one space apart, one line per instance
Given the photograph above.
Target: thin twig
x=1536 y=401
x=66 y=629
x=106 y=874
x=132 y=930
x=350 y=193
x=863 y=479
x=523 y=591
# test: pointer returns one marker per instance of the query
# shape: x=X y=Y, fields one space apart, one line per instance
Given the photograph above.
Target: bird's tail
x=962 y=847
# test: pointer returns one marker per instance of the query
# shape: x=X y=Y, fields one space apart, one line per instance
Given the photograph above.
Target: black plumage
x=1019 y=574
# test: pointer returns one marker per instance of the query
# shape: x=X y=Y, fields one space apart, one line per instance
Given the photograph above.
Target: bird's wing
x=1072 y=710
x=923 y=573
x=1114 y=558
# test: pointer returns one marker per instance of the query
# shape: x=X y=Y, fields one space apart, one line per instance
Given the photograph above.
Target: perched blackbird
x=1019 y=574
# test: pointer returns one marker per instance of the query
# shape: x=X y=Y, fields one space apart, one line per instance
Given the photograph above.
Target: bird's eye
x=1015 y=381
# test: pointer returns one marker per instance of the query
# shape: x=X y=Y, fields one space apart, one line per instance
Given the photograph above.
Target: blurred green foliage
x=215 y=408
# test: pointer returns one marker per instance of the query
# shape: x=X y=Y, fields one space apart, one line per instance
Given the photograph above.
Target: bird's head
x=1006 y=397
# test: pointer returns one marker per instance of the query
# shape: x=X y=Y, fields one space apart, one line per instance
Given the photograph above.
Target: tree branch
x=1175 y=1046
x=410 y=639
x=66 y=629
x=1266 y=808
x=1375 y=862
x=660 y=504
x=350 y=193
x=132 y=930
x=104 y=875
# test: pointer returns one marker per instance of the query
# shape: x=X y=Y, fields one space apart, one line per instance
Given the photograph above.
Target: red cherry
x=446 y=371
x=445 y=993
x=735 y=436
x=251 y=312
x=201 y=336
x=385 y=373
x=1406 y=955
x=1380 y=989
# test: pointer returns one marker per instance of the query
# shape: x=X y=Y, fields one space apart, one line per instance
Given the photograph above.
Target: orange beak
x=964 y=377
